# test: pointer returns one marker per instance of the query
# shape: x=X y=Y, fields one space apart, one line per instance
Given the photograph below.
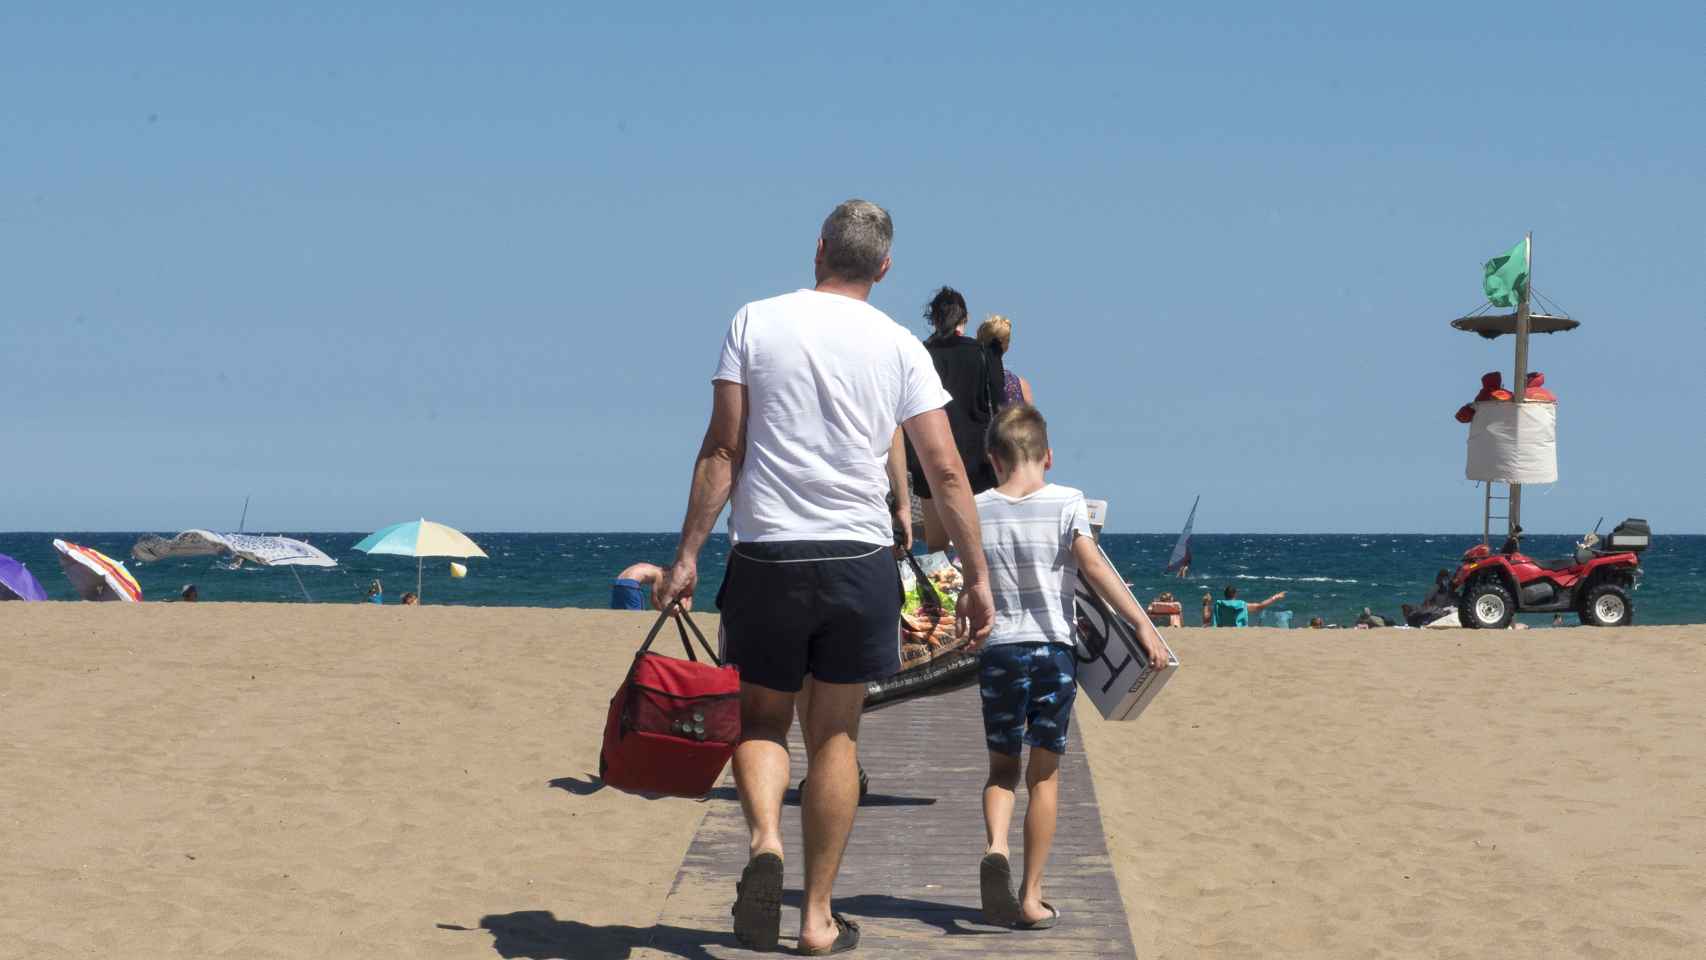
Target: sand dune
x=344 y=781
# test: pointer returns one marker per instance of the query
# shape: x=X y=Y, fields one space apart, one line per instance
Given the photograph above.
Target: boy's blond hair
x=1018 y=434
x=997 y=330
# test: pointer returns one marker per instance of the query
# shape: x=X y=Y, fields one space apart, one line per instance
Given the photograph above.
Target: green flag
x=1505 y=277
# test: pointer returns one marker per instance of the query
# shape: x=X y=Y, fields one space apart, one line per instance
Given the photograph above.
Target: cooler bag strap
x=710 y=652
x=683 y=621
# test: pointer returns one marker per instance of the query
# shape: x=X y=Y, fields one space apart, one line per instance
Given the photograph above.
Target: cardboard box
x=1113 y=670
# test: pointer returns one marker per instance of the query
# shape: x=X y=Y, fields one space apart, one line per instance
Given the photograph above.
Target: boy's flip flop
x=758 y=903
x=846 y=938
x=995 y=879
x=1043 y=924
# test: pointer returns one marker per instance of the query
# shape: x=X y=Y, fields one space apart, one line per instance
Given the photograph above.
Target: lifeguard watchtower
x=1513 y=442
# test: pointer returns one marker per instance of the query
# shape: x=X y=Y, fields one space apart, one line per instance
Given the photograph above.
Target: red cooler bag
x=674 y=723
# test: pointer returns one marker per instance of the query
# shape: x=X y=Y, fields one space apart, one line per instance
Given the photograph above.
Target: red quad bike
x=1597 y=583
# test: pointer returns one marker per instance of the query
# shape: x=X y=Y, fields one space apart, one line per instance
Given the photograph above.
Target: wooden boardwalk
x=910 y=876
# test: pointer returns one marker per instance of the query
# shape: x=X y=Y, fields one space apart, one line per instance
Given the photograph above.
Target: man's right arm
x=951 y=492
x=720 y=456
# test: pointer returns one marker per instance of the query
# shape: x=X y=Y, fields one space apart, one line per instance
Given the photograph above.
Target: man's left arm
x=898 y=485
x=720 y=455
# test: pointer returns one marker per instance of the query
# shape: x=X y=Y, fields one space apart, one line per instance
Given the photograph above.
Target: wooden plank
x=910 y=872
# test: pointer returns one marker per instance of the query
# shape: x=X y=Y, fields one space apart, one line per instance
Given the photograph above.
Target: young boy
x=1036 y=536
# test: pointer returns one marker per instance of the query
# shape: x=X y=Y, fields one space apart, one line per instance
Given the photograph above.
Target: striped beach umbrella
x=96 y=575
x=420 y=538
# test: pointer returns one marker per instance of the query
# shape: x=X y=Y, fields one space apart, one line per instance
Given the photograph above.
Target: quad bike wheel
x=1607 y=605
x=1487 y=606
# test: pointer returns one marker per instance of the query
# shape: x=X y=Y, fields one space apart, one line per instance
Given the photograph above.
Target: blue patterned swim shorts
x=1028 y=689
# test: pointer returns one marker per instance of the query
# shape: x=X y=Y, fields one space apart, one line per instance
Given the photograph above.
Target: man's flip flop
x=758 y=903
x=995 y=879
x=1043 y=924
x=846 y=938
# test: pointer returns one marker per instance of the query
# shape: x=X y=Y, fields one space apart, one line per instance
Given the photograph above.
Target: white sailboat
x=1180 y=562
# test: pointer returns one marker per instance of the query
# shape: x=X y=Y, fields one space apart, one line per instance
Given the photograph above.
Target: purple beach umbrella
x=17 y=583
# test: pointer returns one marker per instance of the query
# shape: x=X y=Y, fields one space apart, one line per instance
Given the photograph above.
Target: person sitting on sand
x=1439 y=602
x=375 y=592
x=189 y=594
x=996 y=333
x=628 y=590
x=1316 y=623
x=1207 y=609
x=411 y=599
x=1037 y=539
x=1233 y=612
x=1369 y=618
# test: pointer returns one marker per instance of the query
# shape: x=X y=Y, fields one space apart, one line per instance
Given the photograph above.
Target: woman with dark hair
x=972 y=374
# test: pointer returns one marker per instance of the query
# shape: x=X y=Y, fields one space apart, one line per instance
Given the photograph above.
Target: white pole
x=299 y=583
x=1520 y=388
x=417 y=579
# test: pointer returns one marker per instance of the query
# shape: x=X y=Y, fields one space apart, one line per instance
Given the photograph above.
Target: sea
x=1332 y=576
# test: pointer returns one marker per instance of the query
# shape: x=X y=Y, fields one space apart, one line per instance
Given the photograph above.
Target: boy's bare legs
x=998 y=801
x=832 y=797
x=761 y=763
x=1042 y=781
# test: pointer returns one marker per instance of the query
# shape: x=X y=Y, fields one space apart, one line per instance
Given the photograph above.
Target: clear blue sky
x=476 y=266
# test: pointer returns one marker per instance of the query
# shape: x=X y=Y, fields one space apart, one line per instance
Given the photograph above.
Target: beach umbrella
x=420 y=538
x=17 y=583
x=261 y=550
x=265 y=551
x=96 y=575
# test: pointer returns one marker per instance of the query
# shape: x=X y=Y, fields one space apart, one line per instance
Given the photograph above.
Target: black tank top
x=972 y=374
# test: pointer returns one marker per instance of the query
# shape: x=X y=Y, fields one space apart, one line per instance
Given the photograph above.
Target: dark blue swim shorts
x=829 y=609
x=1028 y=689
x=627 y=595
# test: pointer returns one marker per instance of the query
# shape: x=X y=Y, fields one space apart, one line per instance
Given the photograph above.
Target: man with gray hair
x=804 y=408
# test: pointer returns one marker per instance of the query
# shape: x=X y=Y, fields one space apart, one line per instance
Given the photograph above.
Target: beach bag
x=942 y=662
x=673 y=724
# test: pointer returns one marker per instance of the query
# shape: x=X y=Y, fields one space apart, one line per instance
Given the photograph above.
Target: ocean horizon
x=1333 y=576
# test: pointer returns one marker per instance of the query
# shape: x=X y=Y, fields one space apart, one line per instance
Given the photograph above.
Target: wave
x=1252 y=576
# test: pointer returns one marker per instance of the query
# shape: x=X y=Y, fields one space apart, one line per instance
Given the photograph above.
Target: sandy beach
x=347 y=781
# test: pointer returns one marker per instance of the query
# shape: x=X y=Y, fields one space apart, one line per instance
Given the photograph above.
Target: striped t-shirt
x=1032 y=573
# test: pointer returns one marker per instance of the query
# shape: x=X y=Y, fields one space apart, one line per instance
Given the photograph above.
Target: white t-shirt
x=828 y=379
x=1032 y=572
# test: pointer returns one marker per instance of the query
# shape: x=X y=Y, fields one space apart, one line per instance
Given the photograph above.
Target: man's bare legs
x=831 y=799
x=761 y=763
x=803 y=710
x=1042 y=780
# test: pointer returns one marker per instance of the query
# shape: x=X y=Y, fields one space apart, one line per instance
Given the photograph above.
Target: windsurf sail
x=1180 y=562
